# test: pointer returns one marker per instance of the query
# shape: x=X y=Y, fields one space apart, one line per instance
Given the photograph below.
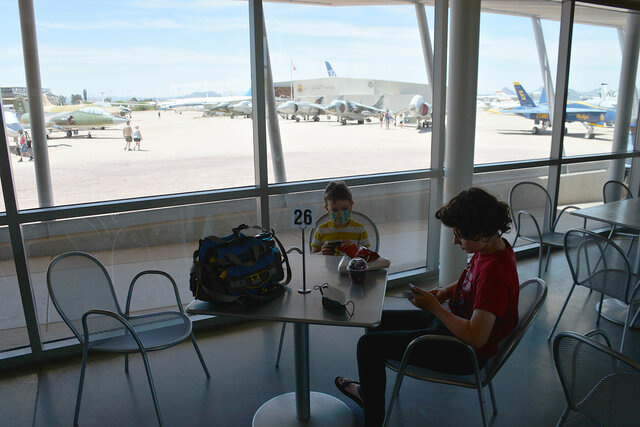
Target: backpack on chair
x=238 y=268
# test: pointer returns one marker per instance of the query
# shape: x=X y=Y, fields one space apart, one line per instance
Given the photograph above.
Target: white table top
x=625 y=213
x=307 y=308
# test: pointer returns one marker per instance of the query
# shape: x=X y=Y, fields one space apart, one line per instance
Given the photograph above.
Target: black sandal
x=343 y=389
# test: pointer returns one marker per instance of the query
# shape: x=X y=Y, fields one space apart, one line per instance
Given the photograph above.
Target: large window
x=512 y=108
x=337 y=72
x=169 y=63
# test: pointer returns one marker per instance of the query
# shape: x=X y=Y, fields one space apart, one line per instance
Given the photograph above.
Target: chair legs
x=85 y=351
x=284 y=326
x=204 y=365
x=555 y=325
x=493 y=398
x=151 y=386
x=394 y=395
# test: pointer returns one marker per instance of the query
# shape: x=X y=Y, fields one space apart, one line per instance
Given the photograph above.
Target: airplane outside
x=349 y=110
x=422 y=111
x=86 y=118
x=329 y=69
x=589 y=116
x=503 y=101
x=297 y=109
x=12 y=124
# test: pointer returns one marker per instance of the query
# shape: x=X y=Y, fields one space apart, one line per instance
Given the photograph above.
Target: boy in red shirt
x=483 y=306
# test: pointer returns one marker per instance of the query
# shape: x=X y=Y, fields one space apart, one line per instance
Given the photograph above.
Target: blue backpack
x=238 y=268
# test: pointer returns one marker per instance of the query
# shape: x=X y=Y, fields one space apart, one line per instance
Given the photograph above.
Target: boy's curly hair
x=474 y=213
x=337 y=190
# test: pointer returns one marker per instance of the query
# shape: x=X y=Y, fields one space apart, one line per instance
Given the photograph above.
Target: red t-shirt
x=489 y=282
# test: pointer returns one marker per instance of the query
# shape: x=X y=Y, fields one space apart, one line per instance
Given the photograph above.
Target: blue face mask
x=340 y=218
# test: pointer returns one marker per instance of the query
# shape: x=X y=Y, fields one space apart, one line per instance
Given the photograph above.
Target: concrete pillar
x=36 y=106
x=461 y=122
x=628 y=71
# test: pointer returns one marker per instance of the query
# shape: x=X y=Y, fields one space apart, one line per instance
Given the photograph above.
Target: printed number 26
x=302 y=217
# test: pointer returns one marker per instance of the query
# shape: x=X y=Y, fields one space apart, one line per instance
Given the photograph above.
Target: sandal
x=343 y=389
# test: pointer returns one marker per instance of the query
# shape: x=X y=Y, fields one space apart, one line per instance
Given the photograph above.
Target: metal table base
x=327 y=410
x=615 y=311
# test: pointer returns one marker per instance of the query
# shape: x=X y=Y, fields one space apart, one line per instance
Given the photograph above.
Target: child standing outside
x=340 y=228
x=483 y=306
x=22 y=145
x=137 y=137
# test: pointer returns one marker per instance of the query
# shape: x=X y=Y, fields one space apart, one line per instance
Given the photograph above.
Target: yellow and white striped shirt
x=352 y=232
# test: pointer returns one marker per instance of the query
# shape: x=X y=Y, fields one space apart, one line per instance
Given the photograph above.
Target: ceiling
x=543 y=9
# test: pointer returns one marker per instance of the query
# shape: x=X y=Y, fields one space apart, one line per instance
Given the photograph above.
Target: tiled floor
x=241 y=360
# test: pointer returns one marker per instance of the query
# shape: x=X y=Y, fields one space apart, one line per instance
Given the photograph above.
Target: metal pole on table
x=304 y=289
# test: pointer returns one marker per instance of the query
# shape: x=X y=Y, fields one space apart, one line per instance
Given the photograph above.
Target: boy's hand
x=426 y=300
x=329 y=248
x=441 y=294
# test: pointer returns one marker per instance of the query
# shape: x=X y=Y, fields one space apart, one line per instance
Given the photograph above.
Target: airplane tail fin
x=543 y=97
x=46 y=101
x=378 y=103
x=523 y=96
x=320 y=100
x=21 y=106
x=502 y=96
x=329 y=69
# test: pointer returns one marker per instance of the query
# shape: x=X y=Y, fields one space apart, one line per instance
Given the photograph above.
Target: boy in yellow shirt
x=340 y=228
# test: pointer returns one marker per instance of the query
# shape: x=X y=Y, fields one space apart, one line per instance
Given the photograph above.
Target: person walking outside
x=127 y=132
x=22 y=141
x=137 y=137
x=387 y=118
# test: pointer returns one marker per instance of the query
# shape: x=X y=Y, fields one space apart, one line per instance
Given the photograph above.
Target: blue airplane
x=589 y=116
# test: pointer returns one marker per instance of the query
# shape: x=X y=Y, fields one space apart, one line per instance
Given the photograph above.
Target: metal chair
x=82 y=292
x=600 y=265
x=374 y=240
x=598 y=382
x=525 y=196
x=611 y=192
x=532 y=295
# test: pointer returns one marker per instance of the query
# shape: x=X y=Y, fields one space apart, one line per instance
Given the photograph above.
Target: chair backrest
x=79 y=282
x=533 y=198
x=532 y=295
x=615 y=190
x=598 y=263
x=369 y=225
x=598 y=382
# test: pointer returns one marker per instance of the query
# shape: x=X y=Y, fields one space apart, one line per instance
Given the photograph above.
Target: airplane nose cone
x=424 y=109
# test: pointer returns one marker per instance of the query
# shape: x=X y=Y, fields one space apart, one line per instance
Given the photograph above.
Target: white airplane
x=422 y=111
x=297 y=109
x=503 y=101
x=348 y=110
x=12 y=125
x=608 y=97
x=242 y=108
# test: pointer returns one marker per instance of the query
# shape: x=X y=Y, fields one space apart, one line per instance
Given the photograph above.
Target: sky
x=161 y=48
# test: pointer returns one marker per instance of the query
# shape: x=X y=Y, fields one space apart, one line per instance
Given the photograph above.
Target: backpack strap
x=285 y=258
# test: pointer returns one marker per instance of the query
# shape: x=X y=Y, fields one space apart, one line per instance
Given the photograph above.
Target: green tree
x=76 y=98
x=84 y=95
x=62 y=99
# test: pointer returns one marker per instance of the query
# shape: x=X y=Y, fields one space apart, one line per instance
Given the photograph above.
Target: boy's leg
x=376 y=347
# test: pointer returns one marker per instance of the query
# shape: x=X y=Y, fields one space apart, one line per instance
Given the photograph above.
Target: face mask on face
x=341 y=217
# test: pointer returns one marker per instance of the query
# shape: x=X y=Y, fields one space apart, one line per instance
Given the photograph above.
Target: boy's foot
x=31 y=159
x=20 y=160
x=351 y=389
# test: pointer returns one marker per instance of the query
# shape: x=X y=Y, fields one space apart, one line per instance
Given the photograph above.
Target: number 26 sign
x=301 y=217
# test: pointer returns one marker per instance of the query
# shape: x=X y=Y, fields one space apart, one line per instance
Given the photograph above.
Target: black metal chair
x=598 y=382
x=611 y=192
x=532 y=295
x=600 y=265
x=536 y=227
x=374 y=240
x=82 y=292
